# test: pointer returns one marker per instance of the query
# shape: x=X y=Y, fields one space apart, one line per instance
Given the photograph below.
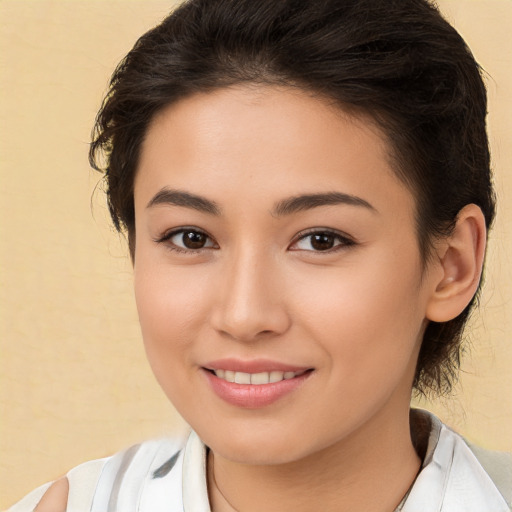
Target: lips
x=254 y=384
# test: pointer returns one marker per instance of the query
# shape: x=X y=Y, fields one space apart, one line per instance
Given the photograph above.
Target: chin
x=258 y=445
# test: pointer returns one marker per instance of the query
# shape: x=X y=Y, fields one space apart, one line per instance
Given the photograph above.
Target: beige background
x=74 y=381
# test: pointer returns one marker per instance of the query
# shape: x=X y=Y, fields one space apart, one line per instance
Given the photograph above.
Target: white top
x=165 y=476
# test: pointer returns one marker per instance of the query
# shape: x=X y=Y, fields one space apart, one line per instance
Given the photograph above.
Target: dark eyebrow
x=309 y=201
x=186 y=199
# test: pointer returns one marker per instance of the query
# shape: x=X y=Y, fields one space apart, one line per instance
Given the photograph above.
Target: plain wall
x=74 y=381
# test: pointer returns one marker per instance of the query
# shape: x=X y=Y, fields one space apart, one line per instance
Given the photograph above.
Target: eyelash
x=344 y=240
x=166 y=237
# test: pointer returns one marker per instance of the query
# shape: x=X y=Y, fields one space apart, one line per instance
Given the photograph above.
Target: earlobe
x=460 y=259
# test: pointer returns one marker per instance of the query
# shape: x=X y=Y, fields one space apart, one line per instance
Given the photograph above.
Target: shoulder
x=498 y=465
x=59 y=495
x=456 y=476
x=55 y=499
x=145 y=476
x=482 y=476
x=94 y=481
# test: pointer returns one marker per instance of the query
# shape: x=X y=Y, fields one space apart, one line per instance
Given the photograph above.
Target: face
x=278 y=279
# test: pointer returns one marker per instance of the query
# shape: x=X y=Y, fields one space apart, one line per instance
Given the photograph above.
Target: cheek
x=169 y=302
x=368 y=317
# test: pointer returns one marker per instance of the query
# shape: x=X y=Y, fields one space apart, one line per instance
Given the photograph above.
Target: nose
x=250 y=300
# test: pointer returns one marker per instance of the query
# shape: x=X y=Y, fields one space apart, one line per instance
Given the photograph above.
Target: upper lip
x=253 y=366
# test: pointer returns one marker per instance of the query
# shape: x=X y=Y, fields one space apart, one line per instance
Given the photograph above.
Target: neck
x=371 y=470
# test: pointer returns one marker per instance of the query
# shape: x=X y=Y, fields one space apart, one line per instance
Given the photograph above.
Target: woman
x=306 y=191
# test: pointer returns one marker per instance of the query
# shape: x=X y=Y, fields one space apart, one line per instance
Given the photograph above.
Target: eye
x=321 y=241
x=187 y=239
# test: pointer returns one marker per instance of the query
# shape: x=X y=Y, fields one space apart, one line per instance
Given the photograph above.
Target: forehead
x=265 y=141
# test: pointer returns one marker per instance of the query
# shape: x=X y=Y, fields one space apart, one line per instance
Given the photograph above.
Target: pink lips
x=252 y=396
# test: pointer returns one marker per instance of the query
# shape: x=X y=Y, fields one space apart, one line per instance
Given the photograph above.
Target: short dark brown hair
x=398 y=61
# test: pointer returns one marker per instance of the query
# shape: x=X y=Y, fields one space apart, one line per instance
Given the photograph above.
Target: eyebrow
x=309 y=201
x=284 y=207
x=180 y=198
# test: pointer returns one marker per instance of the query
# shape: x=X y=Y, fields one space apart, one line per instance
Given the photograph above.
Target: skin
x=354 y=314
x=55 y=498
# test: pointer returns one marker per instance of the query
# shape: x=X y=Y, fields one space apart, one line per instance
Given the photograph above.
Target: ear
x=460 y=259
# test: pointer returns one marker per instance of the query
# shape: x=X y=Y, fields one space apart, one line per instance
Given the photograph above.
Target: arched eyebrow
x=281 y=208
x=309 y=201
x=186 y=199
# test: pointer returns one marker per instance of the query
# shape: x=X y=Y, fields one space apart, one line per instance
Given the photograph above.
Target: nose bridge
x=251 y=303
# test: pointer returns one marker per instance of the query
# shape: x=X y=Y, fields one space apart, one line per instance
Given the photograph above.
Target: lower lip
x=251 y=396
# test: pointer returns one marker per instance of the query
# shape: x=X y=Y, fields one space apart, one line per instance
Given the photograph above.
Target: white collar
x=195 y=488
x=452 y=479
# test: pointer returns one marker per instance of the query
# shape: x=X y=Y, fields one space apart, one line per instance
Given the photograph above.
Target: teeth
x=255 y=378
x=242 y=378
x=260 y=378
x=276 y=376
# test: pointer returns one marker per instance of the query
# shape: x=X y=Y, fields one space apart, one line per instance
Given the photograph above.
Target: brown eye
x=187 y=240
x=194 y=239
x=322 y=241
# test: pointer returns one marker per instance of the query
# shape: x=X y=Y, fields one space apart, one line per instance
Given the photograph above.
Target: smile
x=255 y=384
x=256 y=379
